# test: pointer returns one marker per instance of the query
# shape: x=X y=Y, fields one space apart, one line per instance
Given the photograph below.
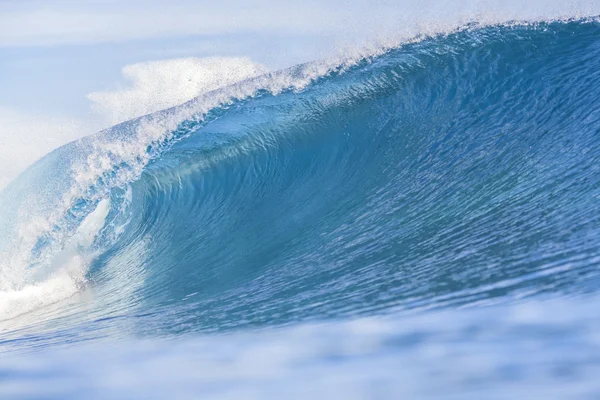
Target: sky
x=72 y=67
x=53 y=53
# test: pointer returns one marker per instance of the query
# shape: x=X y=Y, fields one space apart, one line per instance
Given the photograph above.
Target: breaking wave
x=454 y=170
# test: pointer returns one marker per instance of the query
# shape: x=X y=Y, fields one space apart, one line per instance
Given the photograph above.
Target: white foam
x=162 y=84
x=67 y=271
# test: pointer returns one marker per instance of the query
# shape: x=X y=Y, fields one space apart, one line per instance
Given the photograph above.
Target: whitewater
x=415 y=217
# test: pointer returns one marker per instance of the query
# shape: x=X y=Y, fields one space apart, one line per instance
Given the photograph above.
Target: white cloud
x=157 y=85
x=25 y=138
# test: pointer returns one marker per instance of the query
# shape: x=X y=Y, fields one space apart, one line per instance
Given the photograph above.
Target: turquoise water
x=419 y=222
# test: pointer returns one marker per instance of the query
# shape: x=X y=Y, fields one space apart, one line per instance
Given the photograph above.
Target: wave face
x=454 y=171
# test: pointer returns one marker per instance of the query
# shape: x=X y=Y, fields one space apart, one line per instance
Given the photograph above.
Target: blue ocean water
x=419 y=222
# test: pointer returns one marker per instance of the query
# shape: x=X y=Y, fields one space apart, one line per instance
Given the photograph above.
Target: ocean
x=416 y=220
